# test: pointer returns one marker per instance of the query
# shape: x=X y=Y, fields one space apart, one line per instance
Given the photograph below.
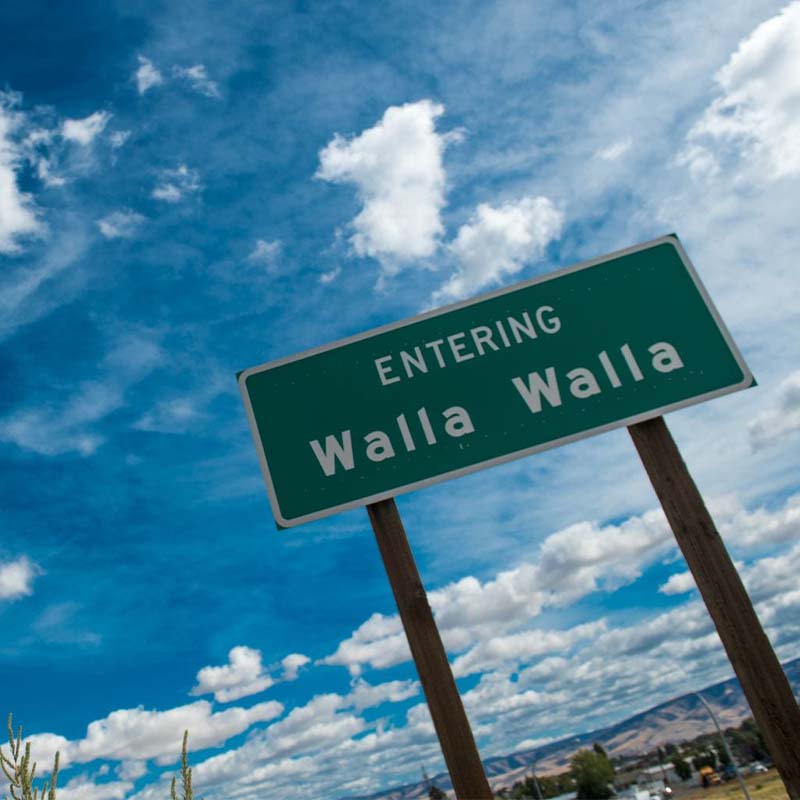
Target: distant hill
x=673 y=721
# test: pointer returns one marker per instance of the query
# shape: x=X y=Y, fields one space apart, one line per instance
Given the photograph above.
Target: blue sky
x=187 y=190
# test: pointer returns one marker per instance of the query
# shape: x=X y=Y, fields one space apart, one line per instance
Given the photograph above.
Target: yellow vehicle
x=708 y=777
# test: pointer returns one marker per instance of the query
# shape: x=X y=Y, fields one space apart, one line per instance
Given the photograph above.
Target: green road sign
x=593 y=347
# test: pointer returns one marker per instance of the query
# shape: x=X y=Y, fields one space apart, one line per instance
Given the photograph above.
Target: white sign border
x=671 y=238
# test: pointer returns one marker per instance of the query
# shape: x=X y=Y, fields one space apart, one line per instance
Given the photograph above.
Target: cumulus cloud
x=198 y=80
x=83 y=787
x=17 y=212
x=572 y=563
x=120 y=224
x=522 y=646
x=292 y=664
x=757 y=114
x=480 y=620
x=16 y=578
x=243 y=675
x=146 y=76
x=780 y=421
x=679 y=583
x=595 y=672
x=498 y=242
x=365 y=695
x=84 y=131
x=175 y=184
x=396 y=167
x=759 y=527
x=136 y=734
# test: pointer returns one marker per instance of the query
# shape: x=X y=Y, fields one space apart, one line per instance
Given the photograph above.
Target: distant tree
x=670 y=749
x=435 y=793
x=683 y=769
x=593 y=775
x=600 y=750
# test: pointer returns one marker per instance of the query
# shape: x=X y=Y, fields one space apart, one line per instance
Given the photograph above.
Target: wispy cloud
x=330 y=276
x=176 y=184
x=615 y=151
x=32 y=290
x=85 y=131
x=197 y=78
x=71 y=427
x=120 y=224
x=265 y=252
x=147 y=76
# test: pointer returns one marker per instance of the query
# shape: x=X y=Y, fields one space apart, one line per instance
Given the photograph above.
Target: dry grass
x=767 y=786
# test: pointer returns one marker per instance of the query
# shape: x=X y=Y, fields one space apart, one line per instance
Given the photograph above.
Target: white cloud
x=198 y=79
x=132 y=770
x=32 y=291
x=135 y=734
x=614 y=151
x=175 y=415
x=17 y=213
x=497 y=651
x=175 y=184
x=757 y=115
x=146 y=76
x=16 y=578
x=572 y=563
x=760 y=527
x=397 y=169
x=118 y=138
x=82 y=787
x=242 y=676
x=245 y=674
x=292 y=664
x=379 y=642
x=498 y=242
x=329 y=277
x=69 y=426
x=120 y=224
x=84 y=131
x=780 y=421
x=264 y=252
x=480 y=620
x=680 y=583
x=603 y=672
x=364 y=695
